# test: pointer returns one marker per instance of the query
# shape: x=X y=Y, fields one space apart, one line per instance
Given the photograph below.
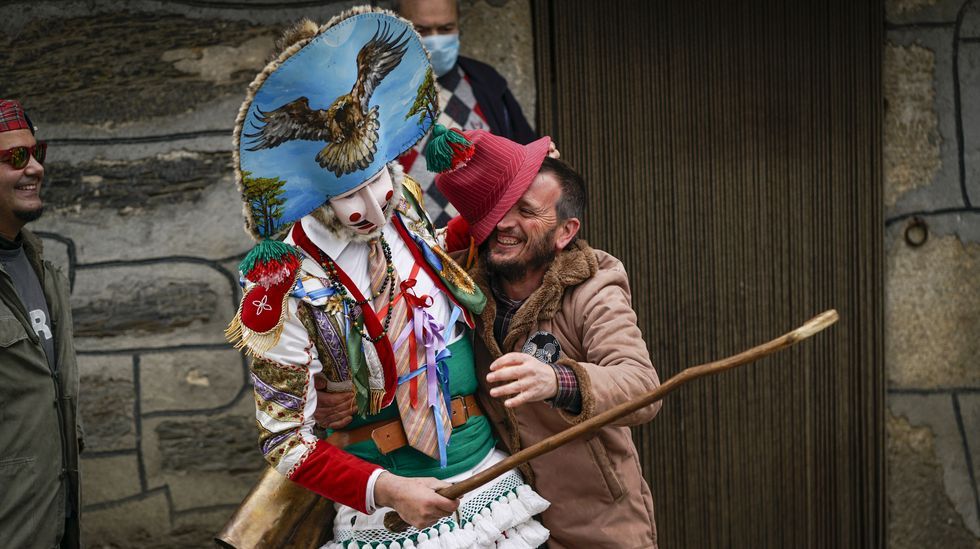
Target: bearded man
x=558 y=343
x=358 y=298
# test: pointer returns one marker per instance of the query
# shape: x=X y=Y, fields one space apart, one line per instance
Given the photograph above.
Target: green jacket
x=40 y=436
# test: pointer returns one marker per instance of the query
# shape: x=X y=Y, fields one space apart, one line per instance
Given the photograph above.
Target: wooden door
x=732 y=152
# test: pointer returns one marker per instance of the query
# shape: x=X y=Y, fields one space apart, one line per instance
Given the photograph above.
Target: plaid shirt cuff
x=568 y=398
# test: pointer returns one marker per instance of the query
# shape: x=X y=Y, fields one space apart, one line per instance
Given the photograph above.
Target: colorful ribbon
x=432 y=335
x=430 y=257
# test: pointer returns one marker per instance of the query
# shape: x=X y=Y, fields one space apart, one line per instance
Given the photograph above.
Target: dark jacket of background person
x=501 y=110
x=40 y=437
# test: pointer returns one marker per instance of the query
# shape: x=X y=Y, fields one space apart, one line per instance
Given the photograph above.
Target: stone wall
x=932 y=338
x=137 y=101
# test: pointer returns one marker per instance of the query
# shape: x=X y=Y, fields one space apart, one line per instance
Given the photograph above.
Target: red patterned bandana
x=13 y=117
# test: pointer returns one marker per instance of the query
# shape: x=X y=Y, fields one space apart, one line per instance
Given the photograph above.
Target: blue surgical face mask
x=443 y=51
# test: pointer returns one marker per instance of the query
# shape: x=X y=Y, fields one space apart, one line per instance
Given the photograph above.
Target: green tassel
x=447 y=149
x=268 y=256
x=359 y=374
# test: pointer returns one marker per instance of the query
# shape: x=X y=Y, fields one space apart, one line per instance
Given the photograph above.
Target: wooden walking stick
x=816 y=324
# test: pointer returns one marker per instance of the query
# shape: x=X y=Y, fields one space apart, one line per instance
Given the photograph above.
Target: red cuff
x=457 y=234
x=335 y=475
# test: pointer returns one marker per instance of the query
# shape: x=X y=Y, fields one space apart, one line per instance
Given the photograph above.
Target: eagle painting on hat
x=347 y=283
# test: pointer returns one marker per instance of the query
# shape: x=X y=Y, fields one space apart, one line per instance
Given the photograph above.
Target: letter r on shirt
x=40 y=323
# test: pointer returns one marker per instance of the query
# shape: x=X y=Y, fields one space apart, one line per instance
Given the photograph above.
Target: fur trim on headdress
x=304 y=30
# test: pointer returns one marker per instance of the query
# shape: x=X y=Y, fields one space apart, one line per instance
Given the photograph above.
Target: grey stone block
x=921 y=11
x=932 y=314
x=115 y=67
x=203 y=460
x=206 y=489
x=106 y=398
x=56 y=251
x=211 y=227
x=191 y=380
x=109 y=478
x=151 y=306
x=144 y=306
x=500 y=34
x=970 y=112
x=920 y=513
x=217 y=445
x=911 y=144
x=943 y=190
x=133 y=187
x=936 y=414
x=970 y=27
x=142 y=522
x=970 y=412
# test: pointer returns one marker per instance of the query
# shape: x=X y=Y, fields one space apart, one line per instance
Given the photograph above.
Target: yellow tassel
x=233 y=333
x=453 y=273
x=413 y=187
x=258 y=343
x=377 y=396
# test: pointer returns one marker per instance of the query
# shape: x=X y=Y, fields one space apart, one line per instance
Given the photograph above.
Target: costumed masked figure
x=347 y=281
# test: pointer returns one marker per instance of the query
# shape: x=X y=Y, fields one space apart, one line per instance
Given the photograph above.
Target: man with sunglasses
x=40 y=437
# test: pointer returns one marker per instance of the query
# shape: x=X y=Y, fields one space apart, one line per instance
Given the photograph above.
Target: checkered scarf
x=13 y=117
x=460 y=110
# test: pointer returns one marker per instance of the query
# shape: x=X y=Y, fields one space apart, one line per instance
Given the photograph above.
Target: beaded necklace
x=389 y=282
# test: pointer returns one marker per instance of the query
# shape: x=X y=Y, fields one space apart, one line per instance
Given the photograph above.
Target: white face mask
x=443 y=51
x=364 y=208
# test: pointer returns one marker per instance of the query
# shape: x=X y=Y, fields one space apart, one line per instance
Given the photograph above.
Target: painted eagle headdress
x=332 y=110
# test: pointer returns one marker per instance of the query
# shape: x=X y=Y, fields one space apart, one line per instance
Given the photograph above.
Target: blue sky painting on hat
x=331 y=115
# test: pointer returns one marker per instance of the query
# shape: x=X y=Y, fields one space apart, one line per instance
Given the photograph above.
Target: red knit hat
x=493 y=180
x=13 y=117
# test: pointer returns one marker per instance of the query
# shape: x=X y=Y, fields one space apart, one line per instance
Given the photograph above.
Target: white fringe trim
x=535 y=504
x=505 y=524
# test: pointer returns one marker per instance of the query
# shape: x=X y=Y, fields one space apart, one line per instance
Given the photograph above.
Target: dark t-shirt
x=31 y=295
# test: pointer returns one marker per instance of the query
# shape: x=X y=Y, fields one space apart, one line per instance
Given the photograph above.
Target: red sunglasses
x=18 y=157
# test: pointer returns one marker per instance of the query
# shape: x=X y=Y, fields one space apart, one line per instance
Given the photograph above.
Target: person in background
x=40 y=434
x=473 y=95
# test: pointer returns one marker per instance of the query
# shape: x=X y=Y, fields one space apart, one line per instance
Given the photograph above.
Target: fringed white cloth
x=498 y=515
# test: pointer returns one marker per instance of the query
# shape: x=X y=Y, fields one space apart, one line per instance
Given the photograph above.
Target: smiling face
x=530 y=234
x=364 y=209
x=20 y=199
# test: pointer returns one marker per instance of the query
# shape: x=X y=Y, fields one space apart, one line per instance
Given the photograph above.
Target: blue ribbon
x=430 y=257
x=299 y=291
x=440 y=438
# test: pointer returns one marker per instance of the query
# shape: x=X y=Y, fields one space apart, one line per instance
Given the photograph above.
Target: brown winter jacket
x=597 y=492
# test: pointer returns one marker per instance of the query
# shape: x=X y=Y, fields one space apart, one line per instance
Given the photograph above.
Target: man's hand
x=414 y=499
x=333 y=410
x=525 y=377
x=553 y=150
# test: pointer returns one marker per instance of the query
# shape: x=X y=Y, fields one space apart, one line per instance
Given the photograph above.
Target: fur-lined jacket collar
x=571 y=268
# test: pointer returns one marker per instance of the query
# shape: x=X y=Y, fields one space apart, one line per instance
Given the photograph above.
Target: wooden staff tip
x=816 y=324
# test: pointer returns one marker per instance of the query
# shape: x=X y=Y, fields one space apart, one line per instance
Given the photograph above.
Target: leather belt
x=389 y=435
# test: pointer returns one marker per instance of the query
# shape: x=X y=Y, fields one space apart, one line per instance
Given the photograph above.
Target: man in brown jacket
x=559 y=343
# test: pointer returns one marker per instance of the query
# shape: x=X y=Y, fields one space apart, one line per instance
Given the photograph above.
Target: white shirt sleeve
x=369 y=496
